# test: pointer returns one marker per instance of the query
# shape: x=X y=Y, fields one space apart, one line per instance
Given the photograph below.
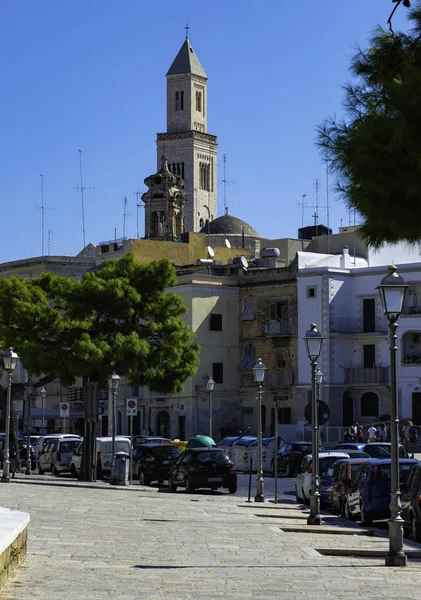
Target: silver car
x=57 y=455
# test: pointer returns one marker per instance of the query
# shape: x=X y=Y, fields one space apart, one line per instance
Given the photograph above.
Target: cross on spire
x=187 y=31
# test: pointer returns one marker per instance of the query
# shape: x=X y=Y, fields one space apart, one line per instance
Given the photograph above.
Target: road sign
x=324 y=412
x=18 y=395
x=64 y=410
x=131 y=407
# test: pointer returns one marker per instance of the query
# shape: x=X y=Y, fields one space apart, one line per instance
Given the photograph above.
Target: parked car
x=152 y=462
x=304 y=476
x=411 y=503
x=368 y=495
x=43 y=439
x=203 y=468
x=104 y=454
x=149 y=439
x=290 y=456
x=57 y=455
x=374 y=449
x=342 y=472
x=76 y=461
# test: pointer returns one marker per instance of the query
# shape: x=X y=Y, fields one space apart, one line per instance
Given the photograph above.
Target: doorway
x=347 y=409
x=369 y=315
x=164 y=424
x=416 y=408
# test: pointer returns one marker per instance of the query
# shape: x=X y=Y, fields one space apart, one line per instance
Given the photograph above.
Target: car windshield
x=219 y=457
x=327 y=462
x=165 y=451
x=69 y=446
x=306 y=448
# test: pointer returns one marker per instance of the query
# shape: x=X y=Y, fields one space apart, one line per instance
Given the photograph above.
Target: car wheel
x=172 y=485
x=347 y=513
x=232 y=488
x=73 y=471
x=142 y=479
x=54 y=471
x=298 y=498
x=415 y=530
x=305 y=499
x=40 y=470
x=189 y=487
x=365 y=517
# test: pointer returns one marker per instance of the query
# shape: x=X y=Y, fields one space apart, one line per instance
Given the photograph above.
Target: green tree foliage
x=107 y=321
x=376 y=151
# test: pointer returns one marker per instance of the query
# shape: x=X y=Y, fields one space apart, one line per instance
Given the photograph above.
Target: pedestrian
x=384 y=433
x=13 y=459
x=352 y=433
x=360 y=434
x=405 y=435
x=372 y=434
x=413 y=440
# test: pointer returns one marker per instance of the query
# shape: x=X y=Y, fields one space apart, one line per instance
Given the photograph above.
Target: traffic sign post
x=131 y=409
x=64 y=414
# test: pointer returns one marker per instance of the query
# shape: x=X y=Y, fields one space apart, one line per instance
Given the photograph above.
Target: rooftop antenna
x=49 y=243
x=125 y=214
x=303 y=206
x=42 y=208
x=327 y=207
x=187 y=30
x=225 y=181
x=81 y=189
x=138 y=205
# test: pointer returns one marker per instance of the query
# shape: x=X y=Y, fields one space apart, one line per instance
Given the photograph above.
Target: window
x=181 y=100
x=182 y=170
x=369 y=405
x=201 y=223
x=215 y=322
x=199 y=101
x=369 y=315
x=279 y=311
x=369 y=352
x=177 y=100
x=311 y=292
x=218 y=372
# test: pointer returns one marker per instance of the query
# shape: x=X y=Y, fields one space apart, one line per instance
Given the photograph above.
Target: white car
x=103 y=453
x=303 y=479
x=57 y=454
x=43 y=439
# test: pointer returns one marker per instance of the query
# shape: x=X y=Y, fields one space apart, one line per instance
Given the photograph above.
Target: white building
x=339 y=294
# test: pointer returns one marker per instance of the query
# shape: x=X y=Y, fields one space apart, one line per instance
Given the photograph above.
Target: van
x=104 y=452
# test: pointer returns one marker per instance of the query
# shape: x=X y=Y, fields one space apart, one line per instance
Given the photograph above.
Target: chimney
x=345 y=258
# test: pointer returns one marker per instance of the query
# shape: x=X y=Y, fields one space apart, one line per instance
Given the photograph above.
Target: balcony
x=362 y=376
x=278 y=328
x=272 y=379
x=355 y=325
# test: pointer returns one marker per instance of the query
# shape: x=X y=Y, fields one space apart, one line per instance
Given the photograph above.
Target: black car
x=203 y=468
x=290 y=456
x=149 y=439
x=152 y=462
x=411 y=503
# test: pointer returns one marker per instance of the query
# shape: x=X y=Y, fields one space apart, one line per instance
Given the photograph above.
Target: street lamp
x=209 y=386
x=392 y=290
x=29 y=385
x=259 y=375
x=10 y=360
x=42 y=393
x=313 y=340
x=113 y=381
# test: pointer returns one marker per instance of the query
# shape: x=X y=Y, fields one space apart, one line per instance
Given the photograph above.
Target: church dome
x=227 y=224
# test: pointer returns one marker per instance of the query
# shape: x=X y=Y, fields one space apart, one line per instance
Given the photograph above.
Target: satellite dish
x=211 y=252
x=227 y=243
x=244 y=262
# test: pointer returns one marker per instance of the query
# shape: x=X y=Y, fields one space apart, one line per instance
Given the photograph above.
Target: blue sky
x=90 y=75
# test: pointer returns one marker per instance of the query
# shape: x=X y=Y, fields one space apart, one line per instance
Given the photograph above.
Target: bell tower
x=191 y=151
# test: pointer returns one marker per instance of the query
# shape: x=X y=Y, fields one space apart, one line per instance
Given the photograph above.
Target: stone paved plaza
x=103 y=543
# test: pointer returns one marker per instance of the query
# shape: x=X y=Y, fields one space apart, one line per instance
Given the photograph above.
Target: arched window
x=369 y=405
x=177 y=101
x=181 y=100
x=199 y=101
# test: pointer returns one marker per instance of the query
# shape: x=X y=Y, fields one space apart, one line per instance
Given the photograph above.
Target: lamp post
x=313 y=340
x=209 y=386
x=392 y=290
x=319 y=381
x=113 y=381
x=259 y=375
x=43 y=393
x=29 y=391
x=10 y=360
